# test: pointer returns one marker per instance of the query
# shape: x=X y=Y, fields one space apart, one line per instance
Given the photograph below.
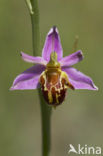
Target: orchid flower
x=53 y=72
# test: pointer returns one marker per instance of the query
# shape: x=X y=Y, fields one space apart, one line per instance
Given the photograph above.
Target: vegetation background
x=79 y=120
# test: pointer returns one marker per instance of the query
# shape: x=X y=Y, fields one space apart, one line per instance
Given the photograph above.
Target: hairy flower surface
x=53 y=72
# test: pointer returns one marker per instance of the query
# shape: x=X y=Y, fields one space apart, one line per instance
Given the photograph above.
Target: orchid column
x=45 y=109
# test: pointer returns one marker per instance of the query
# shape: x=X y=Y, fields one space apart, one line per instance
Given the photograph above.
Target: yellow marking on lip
x=68 y=84
x=44 y=76
x=57 y=98
x=50 y=98
x=54 y=77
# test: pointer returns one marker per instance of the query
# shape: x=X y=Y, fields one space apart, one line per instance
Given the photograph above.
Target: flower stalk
x=34 y=13
x=45 y=109
x=46 y=125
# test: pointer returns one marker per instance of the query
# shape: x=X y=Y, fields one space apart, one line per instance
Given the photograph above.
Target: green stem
x=45 y=109
x=34 y=13
x=46 y=125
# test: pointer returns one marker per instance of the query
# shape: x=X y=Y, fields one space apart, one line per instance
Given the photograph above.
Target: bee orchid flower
x=53 y=72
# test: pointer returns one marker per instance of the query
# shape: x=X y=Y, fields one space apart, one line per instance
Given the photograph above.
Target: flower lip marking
x=54 y=82
x=53 y=71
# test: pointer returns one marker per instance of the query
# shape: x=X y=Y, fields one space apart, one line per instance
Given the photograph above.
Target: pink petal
x=29 y=79
x=71 y=59
x=79 y=80
x=32 y=59
x=52 y=44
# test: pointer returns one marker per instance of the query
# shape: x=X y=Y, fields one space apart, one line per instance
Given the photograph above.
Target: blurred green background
x=80 y=118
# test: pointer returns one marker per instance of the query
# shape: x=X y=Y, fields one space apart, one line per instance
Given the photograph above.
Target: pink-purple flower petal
x=52 y=44
x=32 y=59
x=29 y=79
x=79 y=80
x=72 y=59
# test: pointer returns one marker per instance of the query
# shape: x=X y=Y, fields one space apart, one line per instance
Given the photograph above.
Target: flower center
x=53 y=63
